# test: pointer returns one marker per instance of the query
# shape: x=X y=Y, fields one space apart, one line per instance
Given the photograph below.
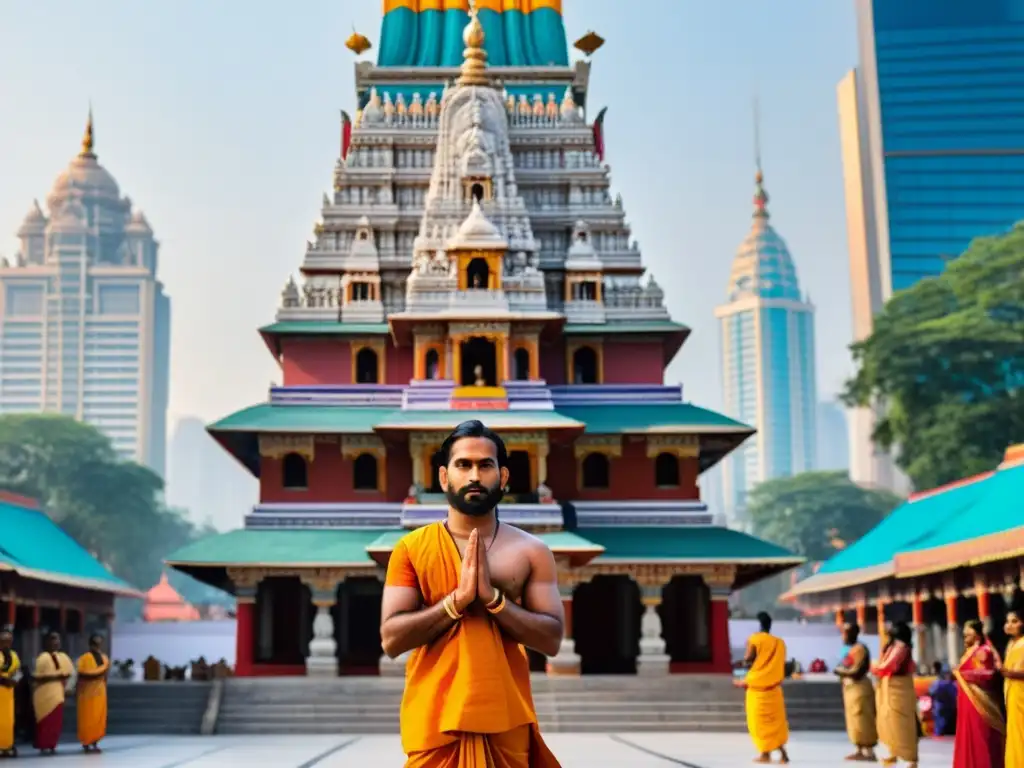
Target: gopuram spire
x=474 y=64
x=88 y=141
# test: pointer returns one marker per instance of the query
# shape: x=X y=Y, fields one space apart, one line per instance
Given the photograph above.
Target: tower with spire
x=84 y=321
x=768 y=360
x=473 y=263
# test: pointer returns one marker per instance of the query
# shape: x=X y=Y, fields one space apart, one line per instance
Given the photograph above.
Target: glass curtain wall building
x=932 y=130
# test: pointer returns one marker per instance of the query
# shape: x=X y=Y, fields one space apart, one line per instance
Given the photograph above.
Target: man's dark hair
x=854 y=629
x=96 y=637
x=473 y=428
x=901 y=631
x=765 y=621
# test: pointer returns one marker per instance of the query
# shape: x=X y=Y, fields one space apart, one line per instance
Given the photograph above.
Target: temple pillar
x=861 y=613
x=245 y=629
x=883 y=635
x=653 y=661
x=566 y=662
x=921 y=654
x=984 y=608
x=323 y=648
x=952 y=631
x=721 y=651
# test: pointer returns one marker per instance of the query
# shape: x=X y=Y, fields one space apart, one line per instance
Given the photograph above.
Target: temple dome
x=477 y=231
x=763 y=266
x=84 y=176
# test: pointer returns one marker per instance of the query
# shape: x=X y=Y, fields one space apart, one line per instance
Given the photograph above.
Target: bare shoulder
x=525 y=541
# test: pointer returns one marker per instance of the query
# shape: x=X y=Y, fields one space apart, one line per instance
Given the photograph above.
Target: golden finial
x=474 y=65
x=589 y=43
x=88 y=141
x=357 y=43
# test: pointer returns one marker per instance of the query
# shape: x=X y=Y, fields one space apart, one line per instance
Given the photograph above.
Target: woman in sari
x=1013 y=673
x=92 y=695
x=9 y=666
x=896 y=699
x=980 y=730
x=53 y=670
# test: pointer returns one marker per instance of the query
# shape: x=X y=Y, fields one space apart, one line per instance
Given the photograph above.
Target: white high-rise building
x=767 y=363
x=84 y=322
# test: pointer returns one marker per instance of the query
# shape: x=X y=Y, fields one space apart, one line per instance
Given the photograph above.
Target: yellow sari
x=8 y=670
x=766 y=707
x=92 y=699
x=1014 y=705
x=897 y=703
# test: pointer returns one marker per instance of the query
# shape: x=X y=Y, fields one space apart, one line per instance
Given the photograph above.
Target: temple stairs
x=162 y=708
x=601 y=704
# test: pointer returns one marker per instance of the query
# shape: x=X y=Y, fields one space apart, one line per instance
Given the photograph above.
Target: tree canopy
x=112 y=507
x=944 y=365
x=816 y=514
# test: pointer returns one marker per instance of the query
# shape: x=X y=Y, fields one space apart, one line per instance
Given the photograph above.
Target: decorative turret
x=583 y=279
x=88 y=141
x=474 y=66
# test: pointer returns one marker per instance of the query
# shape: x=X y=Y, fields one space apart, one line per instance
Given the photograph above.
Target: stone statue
x=478 y=372
x=476 y=280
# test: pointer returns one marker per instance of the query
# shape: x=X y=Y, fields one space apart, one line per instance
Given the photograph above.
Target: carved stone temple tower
x=473 y=263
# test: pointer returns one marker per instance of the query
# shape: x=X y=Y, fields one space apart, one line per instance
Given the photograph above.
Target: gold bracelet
x=499 y=607
x=494 y=600
x=449 y=607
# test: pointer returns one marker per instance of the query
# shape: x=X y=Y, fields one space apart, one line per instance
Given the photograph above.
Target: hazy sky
x=220 y=120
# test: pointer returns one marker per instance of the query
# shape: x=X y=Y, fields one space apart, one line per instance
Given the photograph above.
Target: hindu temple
x=472 y=261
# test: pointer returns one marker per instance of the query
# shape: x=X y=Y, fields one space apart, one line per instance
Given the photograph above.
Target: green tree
x=944 y=365
x=112 y=507
x=815 y=514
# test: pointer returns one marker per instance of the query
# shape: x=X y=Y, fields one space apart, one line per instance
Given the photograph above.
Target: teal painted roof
x=697 y=543
x=446 y=420
x=318 y=419
x=35 y=547
x=251 y=547
x=906 y=528
x=998 y=507
x=655 y=418
x=433 y=37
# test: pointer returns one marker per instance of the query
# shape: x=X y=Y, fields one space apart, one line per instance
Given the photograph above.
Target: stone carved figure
x=478 y=372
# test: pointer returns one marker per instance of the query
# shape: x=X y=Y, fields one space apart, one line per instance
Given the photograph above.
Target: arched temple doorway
x=357 y=625
x=366 y=366
x=606 y=614
x=284 y=622
x=478 y=274
x=479 y=363
x=521 y=361
x=584 y=366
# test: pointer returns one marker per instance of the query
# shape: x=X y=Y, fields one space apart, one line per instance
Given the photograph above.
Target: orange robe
x=766 y=706
x=92 y=699
x=467 y=700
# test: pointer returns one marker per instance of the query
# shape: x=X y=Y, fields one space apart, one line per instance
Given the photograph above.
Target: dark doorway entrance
x=606 y=625
x=478 y=275
x=479 y=363
x=357 y=626
x=519 y=480
x=686 y=620
x=284 y=621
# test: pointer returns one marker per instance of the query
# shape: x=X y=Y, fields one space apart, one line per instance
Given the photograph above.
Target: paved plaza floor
x=635 y=750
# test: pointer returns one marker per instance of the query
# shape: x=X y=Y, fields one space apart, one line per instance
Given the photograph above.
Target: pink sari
x=980 y=724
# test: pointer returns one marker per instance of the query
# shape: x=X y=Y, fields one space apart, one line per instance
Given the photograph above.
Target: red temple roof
x=163 y=603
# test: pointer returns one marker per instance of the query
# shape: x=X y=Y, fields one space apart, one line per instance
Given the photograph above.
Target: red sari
x=980 y=725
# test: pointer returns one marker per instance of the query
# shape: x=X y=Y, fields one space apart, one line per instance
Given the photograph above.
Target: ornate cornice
x=279 y=446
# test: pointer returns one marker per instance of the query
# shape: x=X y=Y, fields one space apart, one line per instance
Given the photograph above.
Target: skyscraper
x=932 y=130
x=767 y=362
x=84 y=322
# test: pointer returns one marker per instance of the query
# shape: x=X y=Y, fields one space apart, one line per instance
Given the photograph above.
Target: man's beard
x=479 y=505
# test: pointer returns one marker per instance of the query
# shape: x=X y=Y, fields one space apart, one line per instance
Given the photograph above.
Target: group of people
x=48 y=681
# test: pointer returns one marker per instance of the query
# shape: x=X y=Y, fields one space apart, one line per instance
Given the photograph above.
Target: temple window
x=432 y=364
x=364 y=472
x=478 y=274
x=479 y=363
x=294 y=472
x=666 y=470
x=360 y=292
x=595 y=471
x=366 y=366
x=584 y=366
x=477 y=192
x=521 y=361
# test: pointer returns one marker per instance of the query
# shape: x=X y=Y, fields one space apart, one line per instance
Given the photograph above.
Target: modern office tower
x=768 y=362
x=84 y=322
x=932 y=130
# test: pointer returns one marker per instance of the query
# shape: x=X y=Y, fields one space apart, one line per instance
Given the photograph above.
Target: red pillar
x=244 y=637
x=721 y=653
x=12 y=613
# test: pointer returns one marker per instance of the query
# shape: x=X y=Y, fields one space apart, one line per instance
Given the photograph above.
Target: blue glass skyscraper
x=932 y=128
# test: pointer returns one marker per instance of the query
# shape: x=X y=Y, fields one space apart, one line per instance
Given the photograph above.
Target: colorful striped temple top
x=428 y=33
